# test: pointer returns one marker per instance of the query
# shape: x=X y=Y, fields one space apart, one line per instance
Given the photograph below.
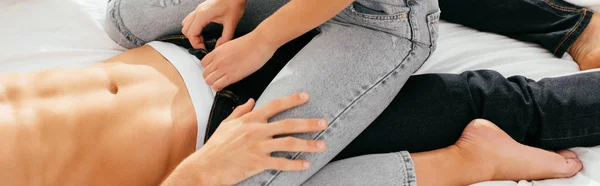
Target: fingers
x=221 y=83
x=287 y=165
x=187 y=18
x=228 y=32
x=293 y=126
x=217 y=79
x=213 y=77
x=209 y=69
x=241 y=110
x=187 y=22
x=279 y=105
x=291 y=144
x=194 y=32
x=207 y=60
x=193 y=26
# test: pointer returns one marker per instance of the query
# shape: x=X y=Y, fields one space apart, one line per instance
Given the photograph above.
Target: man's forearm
x=298 y=17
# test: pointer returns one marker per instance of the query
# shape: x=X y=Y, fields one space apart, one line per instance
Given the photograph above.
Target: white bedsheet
x=41 y=34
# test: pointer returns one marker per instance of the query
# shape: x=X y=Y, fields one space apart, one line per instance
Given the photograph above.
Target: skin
x=109 y=124
x=484 y=153
x=235 y=59
x=246 y=137
x=69 y=127
x=586 y=49
x=223 y=66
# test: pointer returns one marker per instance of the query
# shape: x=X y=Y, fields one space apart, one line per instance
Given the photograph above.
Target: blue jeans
x=517 y=105
x=551 y=114
x=353 y=67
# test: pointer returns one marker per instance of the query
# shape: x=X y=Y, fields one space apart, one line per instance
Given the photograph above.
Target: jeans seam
x=572 y=31
x=567 y=9
x=333 y=121
x=121 y=25
x=571 y=137
x=408 y=170
x=393 y=17
x=563 y=8
x=225 y=94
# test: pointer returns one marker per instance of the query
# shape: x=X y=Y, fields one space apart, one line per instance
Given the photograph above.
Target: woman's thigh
x=352 y=70
x=133 y=23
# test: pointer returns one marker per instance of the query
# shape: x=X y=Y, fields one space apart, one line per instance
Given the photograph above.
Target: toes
x=567 y=154
x=573 y=167
x=570 y=166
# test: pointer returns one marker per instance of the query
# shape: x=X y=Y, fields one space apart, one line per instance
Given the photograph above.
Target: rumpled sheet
x=42 y=34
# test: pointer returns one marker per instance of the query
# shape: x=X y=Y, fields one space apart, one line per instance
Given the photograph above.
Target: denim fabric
x=352 y=68
x=553 y=24
x=128 y=26
x=357 y=171
x=134 y=23
x=554 y=113
x=251 y=86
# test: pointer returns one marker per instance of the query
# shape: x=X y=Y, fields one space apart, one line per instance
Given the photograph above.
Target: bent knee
x=134 y=23
x=115 y=27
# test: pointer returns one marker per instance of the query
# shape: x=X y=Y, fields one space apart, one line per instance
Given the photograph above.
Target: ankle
x=457 y=166
x=471 y=163
x=586 y=49
x=590 y=60
x=578 y=50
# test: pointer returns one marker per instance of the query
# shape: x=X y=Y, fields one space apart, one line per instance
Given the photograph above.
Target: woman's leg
x=556 y=25
x=483 y=153
x=352 y=70
x=553 y=113
x=134 y=23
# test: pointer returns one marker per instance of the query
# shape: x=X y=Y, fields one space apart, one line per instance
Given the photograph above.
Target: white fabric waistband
x=190 y=70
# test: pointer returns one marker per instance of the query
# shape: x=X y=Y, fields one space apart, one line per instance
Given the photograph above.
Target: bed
x=42 y=34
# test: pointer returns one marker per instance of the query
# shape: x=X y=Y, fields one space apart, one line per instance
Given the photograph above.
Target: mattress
x=42 y=34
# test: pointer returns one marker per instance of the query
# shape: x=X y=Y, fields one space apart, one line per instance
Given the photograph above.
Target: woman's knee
x=134 y=23
x=116 y=29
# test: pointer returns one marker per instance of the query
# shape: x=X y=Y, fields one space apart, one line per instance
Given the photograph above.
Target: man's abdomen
x=112 y=124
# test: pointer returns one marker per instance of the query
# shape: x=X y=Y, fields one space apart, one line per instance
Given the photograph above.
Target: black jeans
x=553 y=24
x=432 y=110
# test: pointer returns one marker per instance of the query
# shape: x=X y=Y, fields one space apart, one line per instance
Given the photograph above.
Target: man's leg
x=554 y=113
x=352 y=70
x=557 y=26
x=483 y=153
x=134 y=23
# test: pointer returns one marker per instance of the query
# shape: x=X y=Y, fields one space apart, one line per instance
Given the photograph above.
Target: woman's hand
x=226 y=12
x=242 y=145
x=235 y=60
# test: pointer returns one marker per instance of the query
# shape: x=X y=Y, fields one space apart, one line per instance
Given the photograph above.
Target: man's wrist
x=191 y=173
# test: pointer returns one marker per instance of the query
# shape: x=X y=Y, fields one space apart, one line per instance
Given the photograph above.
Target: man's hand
x=242 y=145
x=226 y=12
x=235 y=60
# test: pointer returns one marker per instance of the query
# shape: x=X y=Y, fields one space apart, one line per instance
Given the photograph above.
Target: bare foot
x=586 y=50
x=492 y=151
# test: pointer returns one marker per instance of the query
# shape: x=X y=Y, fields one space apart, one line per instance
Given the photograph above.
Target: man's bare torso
x=127 y=121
